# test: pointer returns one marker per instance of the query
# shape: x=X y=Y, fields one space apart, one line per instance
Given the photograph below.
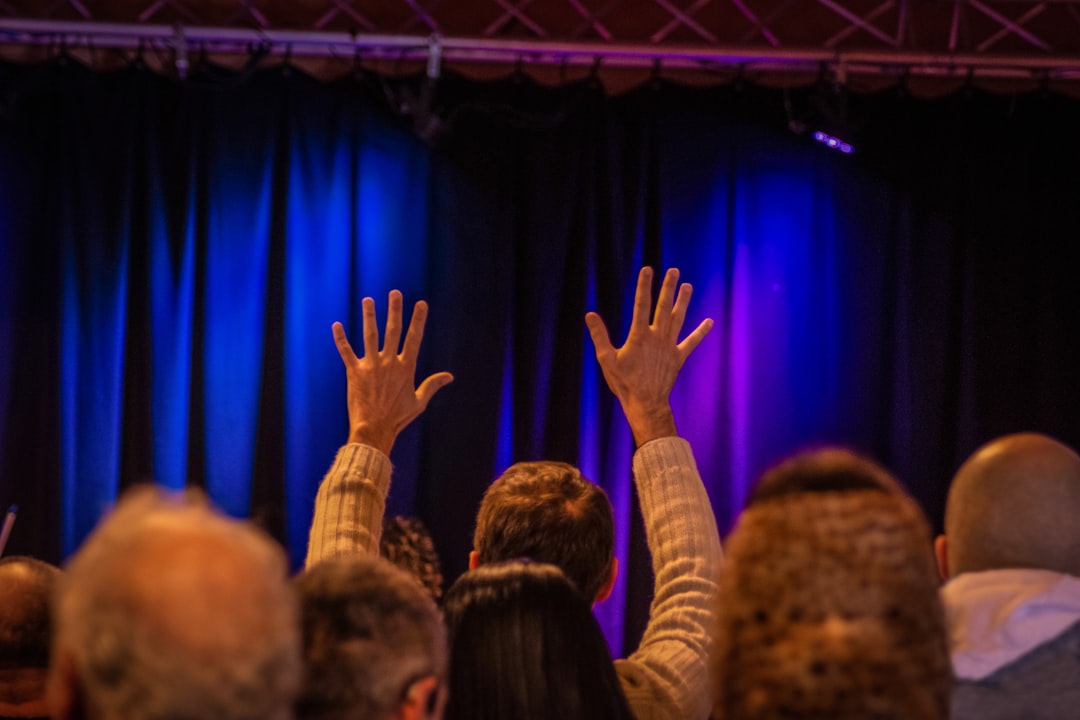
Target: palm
x=382 y=398
x=643 y=371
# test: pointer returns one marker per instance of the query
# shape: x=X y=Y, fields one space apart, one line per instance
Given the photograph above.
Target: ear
x=63 y=690
x=30 y=703
x=474 y=560
x=609 y=585
x=941 y=551
x=422 y=701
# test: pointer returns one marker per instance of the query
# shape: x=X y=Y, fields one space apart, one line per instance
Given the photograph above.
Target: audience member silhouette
x=407 y=543
x=172 y=611
x=374 y=643
x=26 y=587
x=828 y=602
x=1011 y=553
x=549 y=512
x=525 y=646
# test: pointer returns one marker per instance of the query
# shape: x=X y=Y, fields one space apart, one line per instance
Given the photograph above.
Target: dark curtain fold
x=173 y=254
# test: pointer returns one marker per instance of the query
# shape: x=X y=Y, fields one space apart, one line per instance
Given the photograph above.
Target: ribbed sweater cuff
x=350 y=504
x=657 y=456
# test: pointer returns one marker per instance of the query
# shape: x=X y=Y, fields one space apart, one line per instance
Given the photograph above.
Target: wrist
x=372 y=437
x=650 y=423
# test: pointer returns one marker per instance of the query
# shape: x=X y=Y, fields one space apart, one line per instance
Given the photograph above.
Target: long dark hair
x=525 y=646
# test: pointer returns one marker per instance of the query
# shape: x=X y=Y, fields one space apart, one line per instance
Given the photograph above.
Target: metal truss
x=996 y=38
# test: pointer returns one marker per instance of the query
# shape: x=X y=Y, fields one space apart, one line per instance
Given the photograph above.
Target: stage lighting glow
x=834 y=142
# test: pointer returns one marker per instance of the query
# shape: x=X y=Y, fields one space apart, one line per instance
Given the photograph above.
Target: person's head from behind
x=374 y=643
x=26 y=586
x=550 y=513
x=828 y=604
x=171 y=610
x=525 y=645
x=406 y=542
x=1014 y=504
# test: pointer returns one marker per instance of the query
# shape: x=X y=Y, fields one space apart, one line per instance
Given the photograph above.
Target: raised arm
x=382 y=399
x=667 y=677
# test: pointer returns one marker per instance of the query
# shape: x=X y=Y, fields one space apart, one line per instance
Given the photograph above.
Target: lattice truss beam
x=1020 y=35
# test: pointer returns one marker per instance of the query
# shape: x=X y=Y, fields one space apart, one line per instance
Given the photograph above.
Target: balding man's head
x=172 y=610
x=26 y=585
x=1015 y=504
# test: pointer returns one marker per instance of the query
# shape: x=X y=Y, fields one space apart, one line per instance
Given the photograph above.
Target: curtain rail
x=15 y=31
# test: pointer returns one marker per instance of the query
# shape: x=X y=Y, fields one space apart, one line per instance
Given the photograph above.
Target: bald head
x=1015 y=504
x=172 y=610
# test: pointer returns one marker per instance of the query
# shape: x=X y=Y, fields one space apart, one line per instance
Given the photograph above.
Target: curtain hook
x=1044 y=84
x=139 y=62
x=62 y=56
x=594 y=73
x=435 y=56
x=357 y=64
x=903 y=87
x=655 y=81
x=740 y=77
x=181 y=50
x=286 y=61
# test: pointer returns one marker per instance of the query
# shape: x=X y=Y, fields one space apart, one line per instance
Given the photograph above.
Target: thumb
x=598 y=332
x=431 y=385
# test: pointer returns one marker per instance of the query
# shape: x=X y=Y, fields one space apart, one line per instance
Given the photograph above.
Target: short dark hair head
x=525 y=645
x=828 y=469
x=26 y=587
x=369 y=631
x=406 y=542
x=549 y=512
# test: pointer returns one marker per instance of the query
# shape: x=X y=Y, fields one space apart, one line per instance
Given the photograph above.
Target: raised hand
x=381 y=394
x=642 y=372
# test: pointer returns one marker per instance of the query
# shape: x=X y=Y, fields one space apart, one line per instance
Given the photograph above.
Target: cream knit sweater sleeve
x=668 y=676
x=349 y=505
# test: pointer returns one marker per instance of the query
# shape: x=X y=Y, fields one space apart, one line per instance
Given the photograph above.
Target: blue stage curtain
x=173 y=254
